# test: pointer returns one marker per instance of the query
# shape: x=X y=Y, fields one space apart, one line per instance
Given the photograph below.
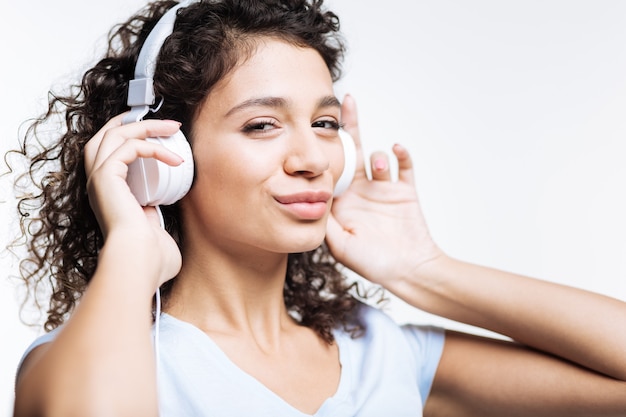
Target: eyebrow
x=279 y=102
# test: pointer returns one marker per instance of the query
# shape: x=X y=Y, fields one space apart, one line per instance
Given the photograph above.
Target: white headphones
x=154 y=183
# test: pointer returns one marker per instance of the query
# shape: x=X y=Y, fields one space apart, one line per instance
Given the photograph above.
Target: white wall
x=43 y=43
x=514 y=112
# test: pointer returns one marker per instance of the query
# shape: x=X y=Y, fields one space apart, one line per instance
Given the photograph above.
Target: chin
x=306 y=245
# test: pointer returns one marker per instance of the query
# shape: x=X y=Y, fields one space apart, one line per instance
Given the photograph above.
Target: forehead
x=275 y=68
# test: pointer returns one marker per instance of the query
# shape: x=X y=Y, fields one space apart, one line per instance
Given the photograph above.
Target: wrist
x=425 y=283
x=130 y=262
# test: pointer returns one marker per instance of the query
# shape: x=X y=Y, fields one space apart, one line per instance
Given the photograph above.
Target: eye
x=327 y=124
x=260 y=126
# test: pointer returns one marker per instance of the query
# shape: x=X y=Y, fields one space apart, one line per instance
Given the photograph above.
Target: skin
x=235 y=249
x=562 y=371
x=239 y=230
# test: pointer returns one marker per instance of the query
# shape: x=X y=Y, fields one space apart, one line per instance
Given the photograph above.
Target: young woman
x=257 y=318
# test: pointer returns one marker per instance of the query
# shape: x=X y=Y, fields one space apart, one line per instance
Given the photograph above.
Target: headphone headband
x=141 y=88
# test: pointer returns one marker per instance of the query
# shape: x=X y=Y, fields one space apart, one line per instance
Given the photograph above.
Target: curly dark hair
x=210 y=37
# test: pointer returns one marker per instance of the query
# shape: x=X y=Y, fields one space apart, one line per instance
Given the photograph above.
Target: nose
x=307 y=154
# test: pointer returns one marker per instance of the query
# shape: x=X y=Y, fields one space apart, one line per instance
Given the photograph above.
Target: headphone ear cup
x=154 y=183
x=349 y=166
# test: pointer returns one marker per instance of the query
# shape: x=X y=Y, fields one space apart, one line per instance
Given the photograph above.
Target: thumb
x=336 y=238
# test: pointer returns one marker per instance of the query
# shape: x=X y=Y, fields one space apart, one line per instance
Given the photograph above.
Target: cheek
x=214 y=182
x=221 y=185
x=228 y=176
x=218 y=198
x=215 y=165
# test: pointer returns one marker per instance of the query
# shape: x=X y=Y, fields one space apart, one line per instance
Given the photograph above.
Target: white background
x=514 y=112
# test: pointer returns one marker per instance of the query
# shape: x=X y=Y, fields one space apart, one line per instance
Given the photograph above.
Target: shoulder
x=388 y=351
x=378 y=323
x=40 y=340
x=34 y=349
x=382 y=332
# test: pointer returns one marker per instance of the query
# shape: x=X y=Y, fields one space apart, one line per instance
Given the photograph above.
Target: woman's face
x=267 y=154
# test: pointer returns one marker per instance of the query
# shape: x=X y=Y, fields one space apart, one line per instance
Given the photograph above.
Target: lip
x=305 y=197
x=307 y=205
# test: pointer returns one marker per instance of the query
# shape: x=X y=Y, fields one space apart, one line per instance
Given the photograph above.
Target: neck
x=228 y=295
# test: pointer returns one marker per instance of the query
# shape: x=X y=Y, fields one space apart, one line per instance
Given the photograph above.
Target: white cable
x=157 y=308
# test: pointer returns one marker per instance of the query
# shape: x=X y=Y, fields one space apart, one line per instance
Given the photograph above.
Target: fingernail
x=380 y=164
x=178 y=124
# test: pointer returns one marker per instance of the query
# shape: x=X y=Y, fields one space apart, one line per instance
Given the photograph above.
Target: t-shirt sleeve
x=45 y=338
x=426 y=342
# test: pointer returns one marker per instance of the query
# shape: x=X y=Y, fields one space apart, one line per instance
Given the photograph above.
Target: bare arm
x=102 y=361
x=573 y=324
x=568 y=335
x=480 y=377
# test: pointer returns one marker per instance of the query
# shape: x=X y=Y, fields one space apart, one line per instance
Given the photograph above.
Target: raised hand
x=377 y=228
x=107 y=156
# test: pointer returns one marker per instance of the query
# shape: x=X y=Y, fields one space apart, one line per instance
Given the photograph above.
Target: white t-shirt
x=386 y=372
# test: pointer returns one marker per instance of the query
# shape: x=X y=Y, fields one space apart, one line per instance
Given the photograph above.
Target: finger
x=102 y=180
x=349 y=119
x=380 y=166
x=405 y=164
x=118 y=135
x=91 y=147
x=132 y=149
x=351 y=125
x=336 y=237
